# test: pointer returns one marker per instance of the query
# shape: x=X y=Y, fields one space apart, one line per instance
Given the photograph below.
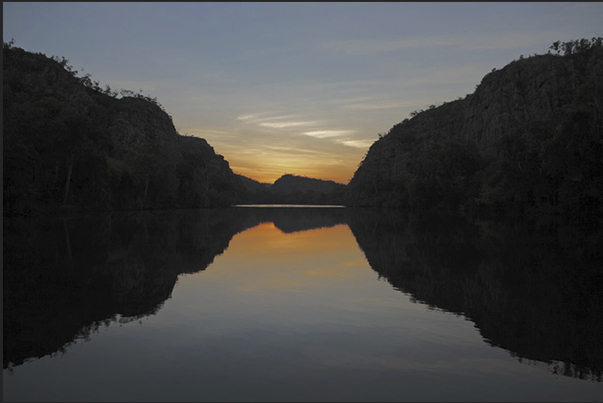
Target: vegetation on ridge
x=293 y=189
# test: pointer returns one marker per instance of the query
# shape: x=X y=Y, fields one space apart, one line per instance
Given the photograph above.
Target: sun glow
x=272 y=143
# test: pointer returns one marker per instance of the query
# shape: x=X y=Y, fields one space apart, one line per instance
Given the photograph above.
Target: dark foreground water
x=300 y=304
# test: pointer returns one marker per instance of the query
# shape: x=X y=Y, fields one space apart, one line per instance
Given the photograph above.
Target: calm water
x=300 y=304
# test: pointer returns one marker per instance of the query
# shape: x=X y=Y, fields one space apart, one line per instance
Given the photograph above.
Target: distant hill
x=293 y=189
x=251 y=184
x=69 y=144
x=528 y=140
x=303 y=190
x=292 y=183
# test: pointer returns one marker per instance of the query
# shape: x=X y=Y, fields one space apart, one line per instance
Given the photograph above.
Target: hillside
x=251 y=184
x=528 y=140
x=292 y=189
x=291 y=183
x=69 y=144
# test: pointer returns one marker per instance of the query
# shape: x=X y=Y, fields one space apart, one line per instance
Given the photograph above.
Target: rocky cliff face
x=134 y=122
x=541 y=100
x=535 y=89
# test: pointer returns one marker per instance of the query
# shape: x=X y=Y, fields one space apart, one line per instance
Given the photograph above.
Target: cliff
x=73 y=145
x=527 y=138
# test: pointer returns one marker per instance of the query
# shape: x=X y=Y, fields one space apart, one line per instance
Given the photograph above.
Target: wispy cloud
x=294 y=150
x=503 y=41
x=363 y=47
x=370 y=46
x=281 y=125
x=380 y=105
x=275 y=122
x=327 y=133
x=264 y=117
x=364 y=143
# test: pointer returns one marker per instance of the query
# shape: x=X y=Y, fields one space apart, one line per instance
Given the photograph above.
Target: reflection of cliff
x=534 y=291
x=289 y=219
x=63 y=278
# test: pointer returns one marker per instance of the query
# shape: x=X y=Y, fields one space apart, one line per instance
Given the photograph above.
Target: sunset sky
x=298 y=88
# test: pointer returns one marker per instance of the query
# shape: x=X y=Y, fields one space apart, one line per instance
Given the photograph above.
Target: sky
x=294 y=88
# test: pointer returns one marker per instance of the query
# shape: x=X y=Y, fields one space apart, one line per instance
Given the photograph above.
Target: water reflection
x=65 y=277
x=535 y=291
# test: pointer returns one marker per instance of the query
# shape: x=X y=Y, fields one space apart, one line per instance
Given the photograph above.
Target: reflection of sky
x=299 y=316
x=299 y=88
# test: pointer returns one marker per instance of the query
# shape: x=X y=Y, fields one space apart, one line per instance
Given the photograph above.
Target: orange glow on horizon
x=271 y=177
x=265 y=158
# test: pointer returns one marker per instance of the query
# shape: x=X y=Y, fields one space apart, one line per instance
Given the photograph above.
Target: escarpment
x=539 y=88
x=70 y=144
x=526 y=139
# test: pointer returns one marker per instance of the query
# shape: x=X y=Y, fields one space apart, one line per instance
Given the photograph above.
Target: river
x=300 y=304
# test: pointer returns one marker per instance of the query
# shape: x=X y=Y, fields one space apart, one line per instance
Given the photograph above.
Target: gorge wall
x=70 y=144
x=527 y=138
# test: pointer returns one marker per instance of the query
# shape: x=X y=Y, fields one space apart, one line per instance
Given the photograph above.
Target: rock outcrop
x=539 y=88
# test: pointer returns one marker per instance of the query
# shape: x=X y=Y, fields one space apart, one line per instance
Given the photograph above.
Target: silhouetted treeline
x=528 y=141
x=292 y=189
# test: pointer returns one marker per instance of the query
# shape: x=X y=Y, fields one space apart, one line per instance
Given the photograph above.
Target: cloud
x=264 y=117
x=281 y=125
x=203 y=132
x=296 y=150
x=365 y=143
x=380 y=105
x=363 y=47
x=366 y=103
x=327 y=133
x=369 y=46
x=507 y=41
x=275 y=122
x=288 y=121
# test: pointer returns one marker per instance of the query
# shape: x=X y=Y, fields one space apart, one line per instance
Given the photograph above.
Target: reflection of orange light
x=263 y=261
x=267 y=239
